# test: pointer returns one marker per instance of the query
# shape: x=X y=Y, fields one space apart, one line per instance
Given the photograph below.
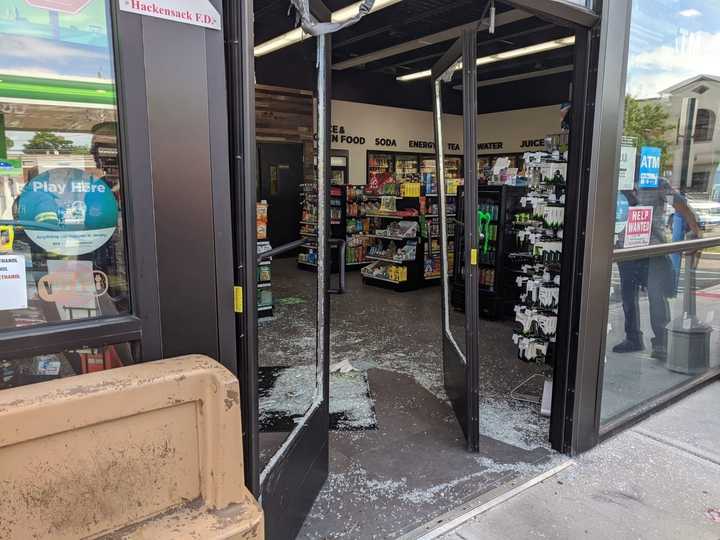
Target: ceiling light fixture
x=297 y=35
x=507 y=55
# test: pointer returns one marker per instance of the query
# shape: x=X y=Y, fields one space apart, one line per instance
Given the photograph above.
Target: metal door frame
x=464 y=50
x=575 y=388
x=288 y=485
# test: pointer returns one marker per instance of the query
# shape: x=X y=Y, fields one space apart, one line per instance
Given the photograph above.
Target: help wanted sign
x=639 y=226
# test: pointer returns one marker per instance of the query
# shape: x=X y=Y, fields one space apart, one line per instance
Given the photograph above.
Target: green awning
x=37 y=88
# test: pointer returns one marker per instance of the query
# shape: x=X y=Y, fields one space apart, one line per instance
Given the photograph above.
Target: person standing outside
x=655 y=274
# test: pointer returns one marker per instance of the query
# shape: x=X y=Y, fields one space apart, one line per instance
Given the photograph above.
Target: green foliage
x=649 y=124
x=9 y=143
x=44 y=142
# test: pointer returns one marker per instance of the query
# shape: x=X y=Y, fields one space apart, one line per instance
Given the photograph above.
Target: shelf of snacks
x=393 y=208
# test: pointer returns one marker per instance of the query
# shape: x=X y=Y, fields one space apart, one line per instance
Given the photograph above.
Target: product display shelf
x=538 y=231
x=497 y=207
x=308 y=252
x=357 y=225
x=396 y=256
x=392 y=179
x=263 y=276
x=453 y=175
x=486 y=162
x=264 y=282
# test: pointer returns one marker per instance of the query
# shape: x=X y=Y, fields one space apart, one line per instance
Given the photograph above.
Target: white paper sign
x=13 y=285
x=194 y=12
x=626 y=175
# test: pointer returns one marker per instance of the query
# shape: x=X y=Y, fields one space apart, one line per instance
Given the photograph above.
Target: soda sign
x=639 y=226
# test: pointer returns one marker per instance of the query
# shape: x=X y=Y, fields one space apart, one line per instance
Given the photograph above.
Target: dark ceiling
x=375 y=81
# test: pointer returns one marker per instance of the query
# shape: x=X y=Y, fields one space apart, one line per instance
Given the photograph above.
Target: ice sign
x=649 y=167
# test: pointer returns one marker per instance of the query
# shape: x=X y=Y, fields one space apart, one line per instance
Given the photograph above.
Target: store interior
x=395 y=442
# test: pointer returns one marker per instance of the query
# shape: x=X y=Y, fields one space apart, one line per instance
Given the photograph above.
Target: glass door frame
x=609 y=60
x=289 y=483
x=576 y=384
x=461 y=370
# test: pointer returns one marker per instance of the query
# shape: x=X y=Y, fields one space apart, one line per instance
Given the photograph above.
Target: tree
x=80 y=150
x=44 y=142
x=648 y=123
x=9 y=143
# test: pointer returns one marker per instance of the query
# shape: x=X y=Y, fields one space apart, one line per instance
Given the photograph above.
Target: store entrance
x=446 y=207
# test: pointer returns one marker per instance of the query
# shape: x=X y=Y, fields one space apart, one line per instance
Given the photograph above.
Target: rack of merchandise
x=357 y=225
x=499 y=169
x=497 y=207
x=307 y=257
x=454 y=178
x=264 y=268
x=538 y=229
x=395 y=250
x=392 y=213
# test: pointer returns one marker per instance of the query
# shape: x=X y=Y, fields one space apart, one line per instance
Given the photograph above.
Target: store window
x=62 y=247
x=77 y=361
x=704 y=125
x=664 y=315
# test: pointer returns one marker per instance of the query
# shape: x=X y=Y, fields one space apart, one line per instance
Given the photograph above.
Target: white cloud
x=691 y=54
x=692 y=12
x=26 y=47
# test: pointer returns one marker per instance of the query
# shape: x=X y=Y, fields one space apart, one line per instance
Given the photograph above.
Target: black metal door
x=280 y=171
x=292 y=478
x=287 y=484
x=460 y=315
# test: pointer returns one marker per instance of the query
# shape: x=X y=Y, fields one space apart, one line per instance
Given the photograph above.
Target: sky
x=670 y=41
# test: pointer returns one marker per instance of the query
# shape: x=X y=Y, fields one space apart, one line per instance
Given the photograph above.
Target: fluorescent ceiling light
x=417 y=75
x=297 y=35
x=507 y=55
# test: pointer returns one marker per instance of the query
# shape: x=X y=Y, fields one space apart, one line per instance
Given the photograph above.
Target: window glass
x=671 y=146
x=46 y=367
x=62 y=252
x=663 y=329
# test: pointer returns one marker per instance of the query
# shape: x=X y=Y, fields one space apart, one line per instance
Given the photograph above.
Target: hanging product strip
x=539 y=233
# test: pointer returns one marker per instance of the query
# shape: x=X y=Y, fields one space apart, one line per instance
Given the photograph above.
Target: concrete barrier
x=149 y=451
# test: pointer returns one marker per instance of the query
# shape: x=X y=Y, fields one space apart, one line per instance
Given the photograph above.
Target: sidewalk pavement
x=658 y=480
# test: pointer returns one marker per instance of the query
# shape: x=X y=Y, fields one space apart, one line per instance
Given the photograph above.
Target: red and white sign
x=195 y=12
x=63 y=6
x=639 y=226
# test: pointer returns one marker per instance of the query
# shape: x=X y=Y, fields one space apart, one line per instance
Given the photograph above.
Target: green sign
x=10 y=167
